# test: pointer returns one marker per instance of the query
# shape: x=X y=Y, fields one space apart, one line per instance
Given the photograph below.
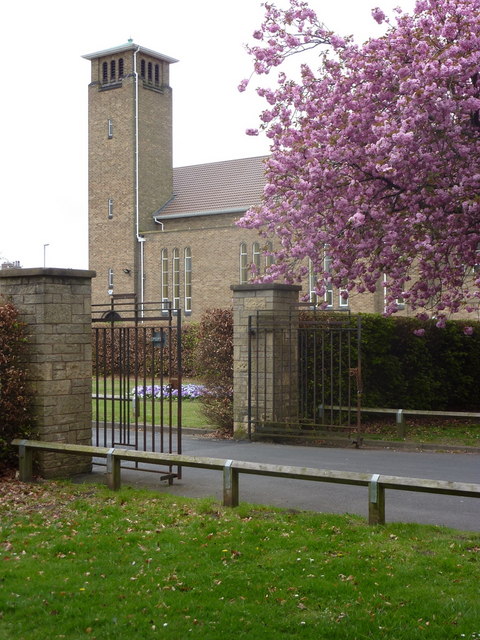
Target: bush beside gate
x=16 y=414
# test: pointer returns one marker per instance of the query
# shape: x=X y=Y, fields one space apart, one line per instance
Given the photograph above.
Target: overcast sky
x=44 y=101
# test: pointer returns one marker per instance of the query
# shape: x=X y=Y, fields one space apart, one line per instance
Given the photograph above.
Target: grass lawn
x=83 y=562
x=192 y=415
x=429 y=430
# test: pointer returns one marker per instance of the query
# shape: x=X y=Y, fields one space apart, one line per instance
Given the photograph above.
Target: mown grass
x=82 y=562
x=429 y=430
x=192 y=415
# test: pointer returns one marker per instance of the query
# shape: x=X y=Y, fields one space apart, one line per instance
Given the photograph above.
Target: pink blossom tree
x=376 y=154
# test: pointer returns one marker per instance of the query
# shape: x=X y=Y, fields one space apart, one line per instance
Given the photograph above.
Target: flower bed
x=189 y=391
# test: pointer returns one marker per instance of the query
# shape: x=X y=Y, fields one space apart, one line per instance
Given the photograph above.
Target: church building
x=167 y=234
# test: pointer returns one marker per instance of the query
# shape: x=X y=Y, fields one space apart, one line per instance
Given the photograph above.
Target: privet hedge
x=16 y=413
x=438 y=371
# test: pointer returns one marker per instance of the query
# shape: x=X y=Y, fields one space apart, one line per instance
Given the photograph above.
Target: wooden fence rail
x=376 y=483
x=401 y=413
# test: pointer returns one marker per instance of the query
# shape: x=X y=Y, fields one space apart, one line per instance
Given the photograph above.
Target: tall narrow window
x=188 y=280
x=268 y=255
x=157 y=74
x=110 y=281
x=104 y=72
x=120 y=68
x=256 y=256
x=110 y=128
x=149 y=71
x=312 y=284
x=476 y=266
x=176 y=278
x=343 y=301
x=327 y=267
x=142 y=68
x=113 y=73
x=165 y=301
x=110 y=208
x=243 y=263
x=400 y=302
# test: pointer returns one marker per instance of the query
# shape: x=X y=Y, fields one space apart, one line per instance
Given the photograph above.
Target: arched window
x=188 y=279
x=110 y=282
x=164 y=276
x=176 y=278
x=142 y=68
x=256 y=256
x=157 y=74
x=120 y=68
x=243 y=263
x=104 y=72
x=150 y=71
x=113 y=72
x=268 y=255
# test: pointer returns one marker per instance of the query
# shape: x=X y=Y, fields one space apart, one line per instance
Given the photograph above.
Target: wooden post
x=376 y=501
x=114 y=480
x=25 y=455
x=230 y=485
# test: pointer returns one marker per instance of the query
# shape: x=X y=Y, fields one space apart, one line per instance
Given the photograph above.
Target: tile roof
x=216 y=187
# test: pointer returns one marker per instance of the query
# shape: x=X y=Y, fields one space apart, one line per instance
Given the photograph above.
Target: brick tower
x=129 y=162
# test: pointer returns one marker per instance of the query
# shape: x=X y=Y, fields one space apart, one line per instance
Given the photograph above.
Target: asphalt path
x=401 y=506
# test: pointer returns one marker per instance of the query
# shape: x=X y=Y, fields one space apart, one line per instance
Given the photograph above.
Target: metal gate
x=304 y=374
x=137 y=383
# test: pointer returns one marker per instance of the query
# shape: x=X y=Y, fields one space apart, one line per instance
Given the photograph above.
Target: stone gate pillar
x=265 y=317
x=56 y=305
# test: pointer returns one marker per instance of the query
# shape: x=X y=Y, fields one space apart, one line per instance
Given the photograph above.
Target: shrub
x=16 y=411
x=438 y=371
x=214 y=364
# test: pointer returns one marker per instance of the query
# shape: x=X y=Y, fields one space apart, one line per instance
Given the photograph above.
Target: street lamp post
x=45 y=255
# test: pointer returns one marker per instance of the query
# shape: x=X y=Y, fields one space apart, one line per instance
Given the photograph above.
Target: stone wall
x=56 y=305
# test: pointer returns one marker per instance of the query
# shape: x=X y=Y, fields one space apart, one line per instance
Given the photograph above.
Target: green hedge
x=438 y=371
x=16 y=412
x=214 y=364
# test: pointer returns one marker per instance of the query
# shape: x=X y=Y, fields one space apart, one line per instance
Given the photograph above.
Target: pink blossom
x=468 y=331
x=378 y=15
x=376 y=151
x=419 y=332
x=357 y=219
